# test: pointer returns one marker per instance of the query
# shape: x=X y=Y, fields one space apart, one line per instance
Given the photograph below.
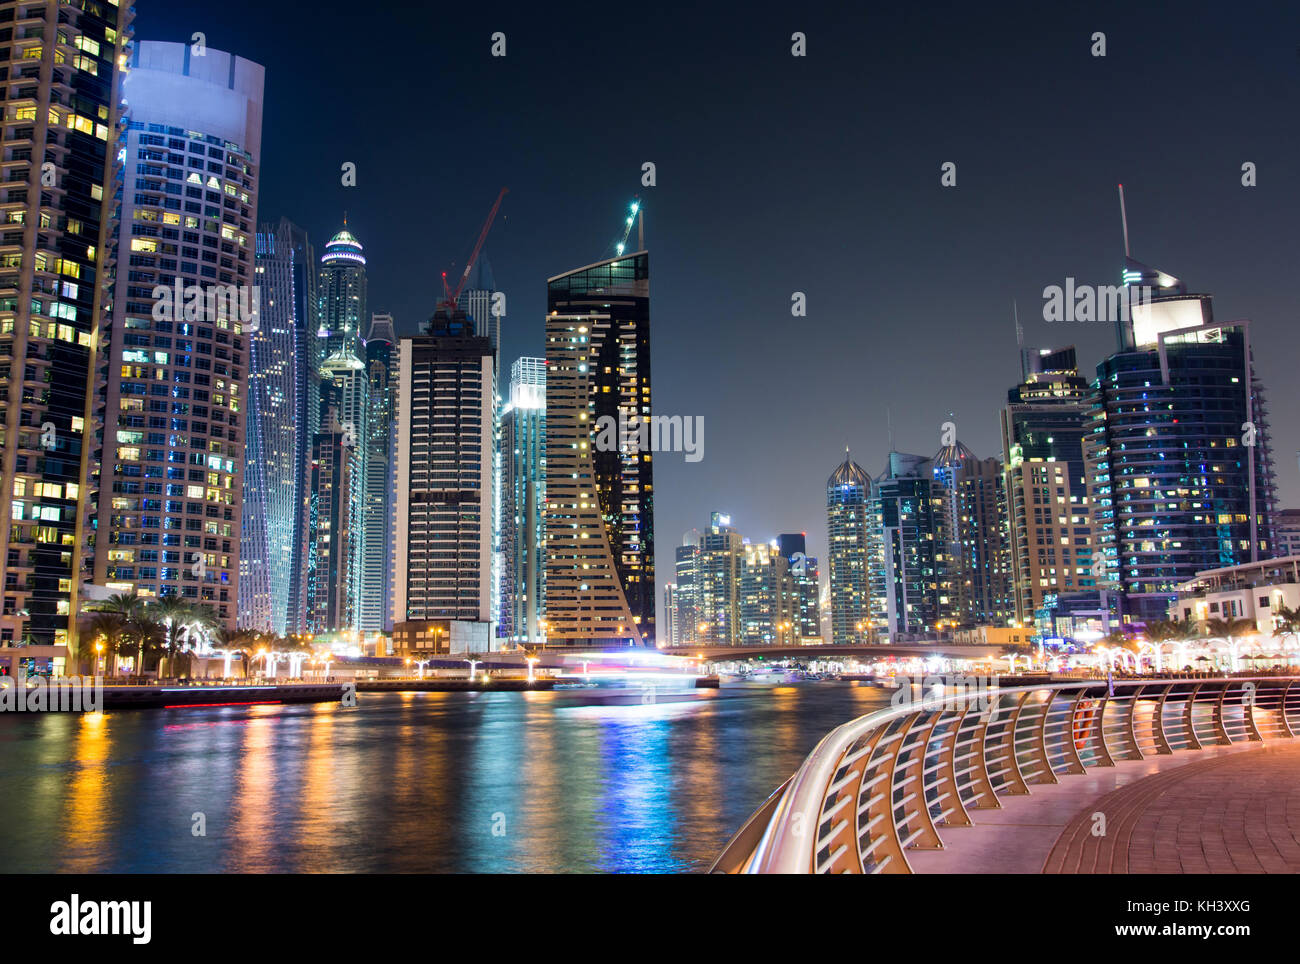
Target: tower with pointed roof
x=848 y=529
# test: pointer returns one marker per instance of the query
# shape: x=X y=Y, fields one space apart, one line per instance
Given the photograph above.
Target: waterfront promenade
x=1231 y=809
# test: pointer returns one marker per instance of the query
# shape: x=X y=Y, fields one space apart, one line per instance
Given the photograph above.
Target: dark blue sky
x=779 y=174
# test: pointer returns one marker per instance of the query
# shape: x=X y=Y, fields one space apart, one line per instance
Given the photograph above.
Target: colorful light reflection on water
x=413 y=782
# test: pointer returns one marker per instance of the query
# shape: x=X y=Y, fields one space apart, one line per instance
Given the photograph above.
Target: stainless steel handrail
x=889 y=782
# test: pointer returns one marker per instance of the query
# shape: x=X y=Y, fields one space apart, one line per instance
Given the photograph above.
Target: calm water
x=412 y=782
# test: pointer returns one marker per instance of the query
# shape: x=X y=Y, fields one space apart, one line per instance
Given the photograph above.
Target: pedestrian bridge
x=881 y=792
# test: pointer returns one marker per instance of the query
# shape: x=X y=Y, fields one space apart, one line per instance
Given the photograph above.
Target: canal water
x=570 y=780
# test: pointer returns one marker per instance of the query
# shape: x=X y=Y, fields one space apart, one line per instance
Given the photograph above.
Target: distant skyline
x=818 y=174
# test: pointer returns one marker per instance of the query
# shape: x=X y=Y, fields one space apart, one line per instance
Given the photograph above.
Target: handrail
x=889 y=782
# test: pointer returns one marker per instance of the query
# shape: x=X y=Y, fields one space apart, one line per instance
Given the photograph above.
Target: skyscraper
x=599 y=503
x=523 y=496
x=476 y=301
x=717 y=580
x=171 y=483
x=345 y=410
x=905 y=577
x=971 y=536
x=848 y=526
x=805 y=576
x=1180 y=468
x=1049 y=515
x=686 y=591
x=446 y=395
x=375 y=613
x=62 y=108
x=282 y=392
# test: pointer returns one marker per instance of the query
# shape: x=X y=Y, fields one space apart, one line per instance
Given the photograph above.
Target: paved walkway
x=1237 y=814
x=1232 y=809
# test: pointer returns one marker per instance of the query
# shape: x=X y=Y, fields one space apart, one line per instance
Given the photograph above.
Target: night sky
x=779 y=174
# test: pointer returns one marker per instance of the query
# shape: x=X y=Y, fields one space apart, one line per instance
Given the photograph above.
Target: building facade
x=523 y=496
x=283 y=398
x=1180 y=466
x=1044 y=425
x=175 y=400
x=445 y=446
x=851 y=558
x=600 y=587
x=376 y=604
x=344 y=414
x=63 y=112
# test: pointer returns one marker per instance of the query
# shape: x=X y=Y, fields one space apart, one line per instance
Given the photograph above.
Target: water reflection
x=415 y=782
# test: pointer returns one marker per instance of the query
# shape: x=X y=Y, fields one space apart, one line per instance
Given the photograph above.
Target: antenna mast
x=1123 y=216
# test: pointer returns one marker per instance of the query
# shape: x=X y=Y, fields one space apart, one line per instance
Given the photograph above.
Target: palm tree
x=176 y=617
x=109 y=627
x=147 y=633
x=1230 y=629
x=127 y=606
x=1288 y=623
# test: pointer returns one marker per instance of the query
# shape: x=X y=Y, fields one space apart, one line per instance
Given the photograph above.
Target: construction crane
x=452 y=296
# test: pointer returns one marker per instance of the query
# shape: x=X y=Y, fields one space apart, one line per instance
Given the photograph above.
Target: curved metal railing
x=890 y=782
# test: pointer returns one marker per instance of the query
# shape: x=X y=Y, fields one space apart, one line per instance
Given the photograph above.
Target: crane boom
x=478 y=246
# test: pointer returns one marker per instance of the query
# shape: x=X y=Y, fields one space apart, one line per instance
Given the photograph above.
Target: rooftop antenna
x=1123 y=216
x=1020 y=332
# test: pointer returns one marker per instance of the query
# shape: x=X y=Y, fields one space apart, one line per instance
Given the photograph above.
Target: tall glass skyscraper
x=971 y=518
x=175 y=405
x=1180 y=466
x=906 y=571
x=283 y=416
x=848 y=528
x=523 y=494
x=344 y=414
x=62 y=114
x=376 y=579
x=600 y=586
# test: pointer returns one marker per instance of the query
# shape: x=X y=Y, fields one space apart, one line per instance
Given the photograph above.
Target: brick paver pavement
x=1229 y=814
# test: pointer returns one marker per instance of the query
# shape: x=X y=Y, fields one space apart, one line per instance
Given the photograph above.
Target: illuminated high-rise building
x=1051 y=544
x=523 y=496
x=849 y=527
x=904 y=511
x=804 y=574
x=62 y=118
x=1180 y=469
x=376 y=605
x=345 y=410
x=445 y=497
x=176 y=399
x=600 y=587
x=717 y=581
x=972 y=555
x=283 y=396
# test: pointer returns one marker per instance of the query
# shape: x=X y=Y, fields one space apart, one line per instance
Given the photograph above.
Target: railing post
x=1189 y=715
x=1286 y=723
x=1098 y=738
x=1040 y=745
x=1248 y=711
x=1015 y=781
x=1162 y=744
x=958 y=816
x=1072 y=762
x=1131 y=728
x=981 y=782
x=1219 y=727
